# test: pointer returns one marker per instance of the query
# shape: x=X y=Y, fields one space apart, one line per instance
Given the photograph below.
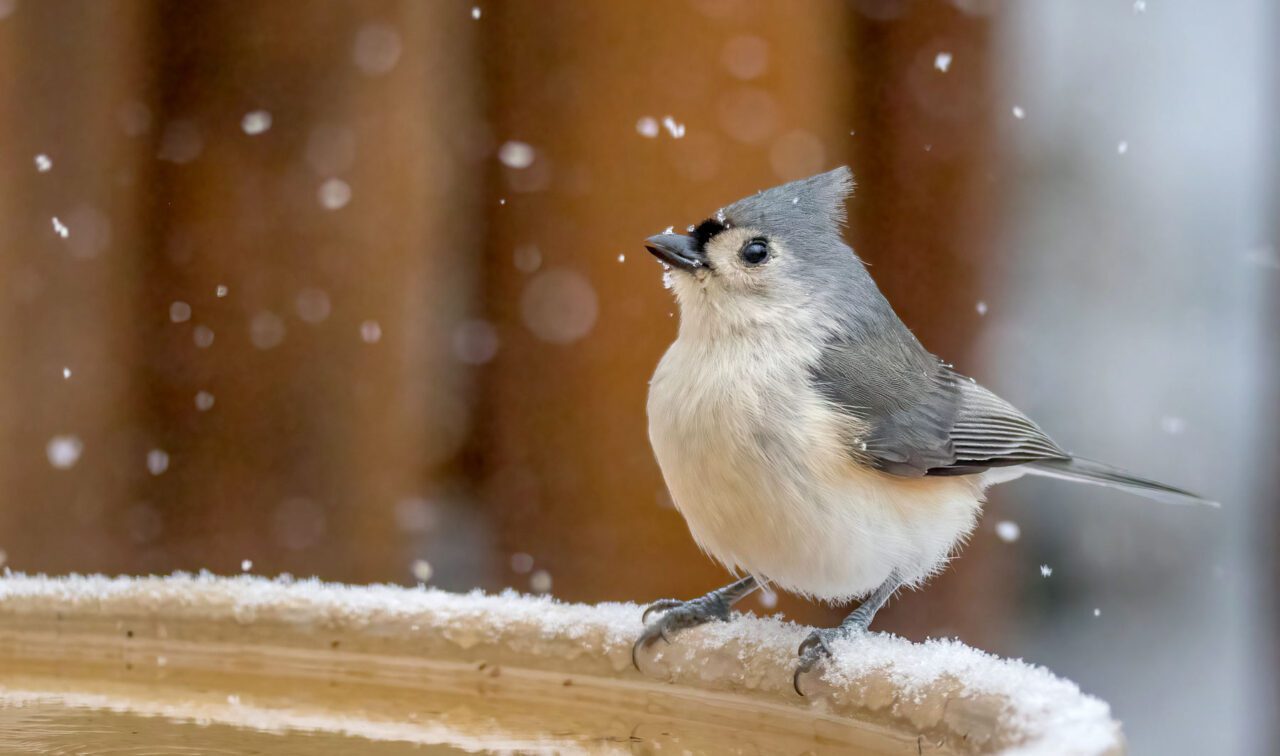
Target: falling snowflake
x=676 y=130
x=203 y=336
x=647 y=127
x=179 y=312
x=334 y=194
x=157 y=461
x=515 y=154
x=1008 y=531
x=64 y=451
x=521 y=562
x=256 y=122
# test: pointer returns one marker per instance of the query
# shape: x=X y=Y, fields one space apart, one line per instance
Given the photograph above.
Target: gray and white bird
x=807 y=437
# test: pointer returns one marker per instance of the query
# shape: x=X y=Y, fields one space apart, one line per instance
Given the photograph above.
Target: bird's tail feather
x=1088 y=471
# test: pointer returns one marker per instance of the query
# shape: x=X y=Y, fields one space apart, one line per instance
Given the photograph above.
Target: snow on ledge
x=942 y=689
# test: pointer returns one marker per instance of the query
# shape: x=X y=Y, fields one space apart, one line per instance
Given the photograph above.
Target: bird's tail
x=1088 y=471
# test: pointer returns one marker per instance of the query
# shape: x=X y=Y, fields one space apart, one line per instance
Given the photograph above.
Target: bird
x=807 y=437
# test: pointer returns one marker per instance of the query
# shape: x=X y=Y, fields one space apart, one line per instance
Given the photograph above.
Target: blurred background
x=356 y=290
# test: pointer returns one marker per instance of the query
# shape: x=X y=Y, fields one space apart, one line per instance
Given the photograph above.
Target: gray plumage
x=925 y=417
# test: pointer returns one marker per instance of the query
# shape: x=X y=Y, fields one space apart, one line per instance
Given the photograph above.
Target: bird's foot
x=817 y=647
x=678 y=615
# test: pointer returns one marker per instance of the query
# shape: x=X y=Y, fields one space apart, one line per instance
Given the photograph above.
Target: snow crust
x=942 y=690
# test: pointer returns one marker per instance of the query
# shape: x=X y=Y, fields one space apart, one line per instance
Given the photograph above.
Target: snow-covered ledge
x=942 y=693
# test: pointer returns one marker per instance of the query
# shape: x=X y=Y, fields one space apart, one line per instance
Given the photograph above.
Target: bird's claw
x=816 y=639
x=677 y=615
x=647 y=638
x=817 y=646
x=661 y=605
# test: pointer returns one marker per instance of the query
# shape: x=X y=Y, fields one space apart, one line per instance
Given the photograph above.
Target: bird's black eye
x=756 y=252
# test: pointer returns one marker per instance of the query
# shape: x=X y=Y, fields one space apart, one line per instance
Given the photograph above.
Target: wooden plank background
x=451 y=365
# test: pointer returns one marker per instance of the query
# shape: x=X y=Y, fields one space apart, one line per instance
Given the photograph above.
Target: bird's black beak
x=676 y=250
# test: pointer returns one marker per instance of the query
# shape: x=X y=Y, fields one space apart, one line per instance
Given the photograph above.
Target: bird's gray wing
x=920 y=417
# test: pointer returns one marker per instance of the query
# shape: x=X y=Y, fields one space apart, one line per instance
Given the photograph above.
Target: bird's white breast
x=758 y=464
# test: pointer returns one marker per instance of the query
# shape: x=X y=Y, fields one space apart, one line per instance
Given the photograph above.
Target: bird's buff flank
x=808 y=438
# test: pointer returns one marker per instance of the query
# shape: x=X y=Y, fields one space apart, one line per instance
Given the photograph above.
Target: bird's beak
x=676 y=250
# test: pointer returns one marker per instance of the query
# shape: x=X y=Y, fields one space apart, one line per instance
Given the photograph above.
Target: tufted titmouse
x=807 y=437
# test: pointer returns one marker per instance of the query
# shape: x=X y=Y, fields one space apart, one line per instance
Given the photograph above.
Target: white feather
x=759 y=463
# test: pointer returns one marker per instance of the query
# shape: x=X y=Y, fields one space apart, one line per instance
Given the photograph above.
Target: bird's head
x=758 y=260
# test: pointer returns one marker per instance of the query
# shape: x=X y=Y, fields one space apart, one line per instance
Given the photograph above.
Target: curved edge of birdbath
x=956 y=697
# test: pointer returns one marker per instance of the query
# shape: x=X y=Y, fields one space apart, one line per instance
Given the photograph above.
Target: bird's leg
x=678 y=615
x=818 y=644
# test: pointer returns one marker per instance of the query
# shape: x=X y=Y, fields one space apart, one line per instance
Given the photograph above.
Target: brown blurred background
x=355 y=290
